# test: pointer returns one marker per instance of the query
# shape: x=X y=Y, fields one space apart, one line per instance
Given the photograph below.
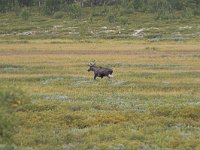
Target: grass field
x=93 y=25
x=153 y=101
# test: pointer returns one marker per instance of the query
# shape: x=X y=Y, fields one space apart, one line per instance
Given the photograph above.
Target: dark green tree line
x=51 y=6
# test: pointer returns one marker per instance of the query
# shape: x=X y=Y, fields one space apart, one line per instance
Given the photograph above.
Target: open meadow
x=153 y=101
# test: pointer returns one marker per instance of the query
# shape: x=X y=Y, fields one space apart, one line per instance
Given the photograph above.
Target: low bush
x=10 y=99
x=74 y=10
x=25 y=14
x=112 y=18
x=59 y=15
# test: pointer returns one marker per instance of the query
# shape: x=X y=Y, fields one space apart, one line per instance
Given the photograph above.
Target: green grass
x=151 y=103
x=94 y=26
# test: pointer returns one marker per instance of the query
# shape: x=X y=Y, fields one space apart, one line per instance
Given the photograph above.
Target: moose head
x=92 y=66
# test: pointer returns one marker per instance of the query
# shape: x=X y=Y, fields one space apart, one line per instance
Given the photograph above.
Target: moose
x=100 y=71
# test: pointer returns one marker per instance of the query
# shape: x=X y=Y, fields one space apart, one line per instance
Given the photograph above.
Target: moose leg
x=95 y=77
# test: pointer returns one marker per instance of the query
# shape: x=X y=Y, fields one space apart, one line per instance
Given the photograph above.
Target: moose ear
x=94 y=62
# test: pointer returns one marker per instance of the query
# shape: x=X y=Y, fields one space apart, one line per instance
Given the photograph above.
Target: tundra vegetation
x=48 y=99
x=52 y=102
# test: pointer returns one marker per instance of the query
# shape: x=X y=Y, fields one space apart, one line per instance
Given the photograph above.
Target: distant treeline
x=51 y=6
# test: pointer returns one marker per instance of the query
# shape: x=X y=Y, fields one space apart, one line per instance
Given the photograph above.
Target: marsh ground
x=153 y=101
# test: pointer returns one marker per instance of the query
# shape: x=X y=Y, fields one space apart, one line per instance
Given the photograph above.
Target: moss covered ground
x=151 y=103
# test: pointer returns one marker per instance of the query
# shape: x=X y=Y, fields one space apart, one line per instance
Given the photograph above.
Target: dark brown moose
x=100 y=71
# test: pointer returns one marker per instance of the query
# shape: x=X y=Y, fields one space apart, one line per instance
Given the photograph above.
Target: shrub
x=58 y=15
x=51 y=6
x=123 y=20
x=74 y=10
x=188 y=13
x=25 y=14
x=10 y=98
x=7 y=122
x=100 y=11
x=112 y=18
x=127 y=7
